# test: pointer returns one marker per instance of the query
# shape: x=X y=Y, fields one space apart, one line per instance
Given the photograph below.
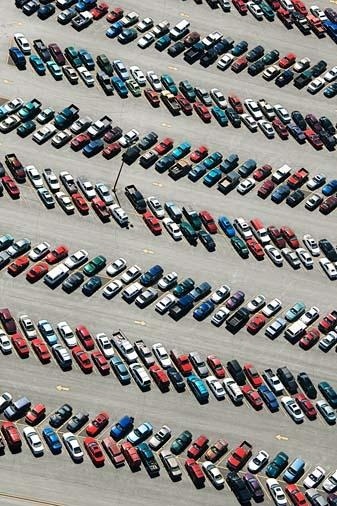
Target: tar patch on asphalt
x=10 y=61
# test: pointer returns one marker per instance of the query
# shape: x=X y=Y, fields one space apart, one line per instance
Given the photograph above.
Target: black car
x=2 y=170
x=60 y=416
x=301 y=22
x=256 y=68
x=298 y=118
x=285 y=78
x=176 y=379
x=327 y=125
x=104 y=64
x=208 y=58
x=148 y=159
x=77 y=421
x=30 y=7
x=131 y=154
x=255 y=53
x=236 y=371
x=136 y=198
x=176 y=49
x=271 y=57
x=247 y=168
x=148 y=141
x=178 y=171
x=307 y=385
x=329 y=141
x=73 y=282
x=165 y=163
x=4 y=259
x=238 y=487
x=303 y=79
x=206 y=240
x=319 y=68
x=328 y=249
x=45 y=11
x=42 y=50
x=233 y=117
x=194 y=53
x=105 y=82
x=91 y=286
x=288 y=380
x=295 y=198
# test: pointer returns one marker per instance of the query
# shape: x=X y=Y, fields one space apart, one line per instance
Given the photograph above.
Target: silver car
x=160 y=438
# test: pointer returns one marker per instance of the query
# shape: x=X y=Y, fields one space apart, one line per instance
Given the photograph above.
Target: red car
x=37 y=272
x=100 y=10
x=208 y=222
x=184 y=104
x=111 y=150
x=82 y=358
x=164 y=146
x=12 y=436
x=7 y=321
x=328 y=323
x=41 y=350
x=262 y=172
x=235 y=102
x=252 y=396
x=198 y=447
x=329 y=205
x=266 y=188
x=290 y=237
x=80 y=141
x=57 y=254
x=97 y=424
x=195 y=472
x=313 y=138
x=284 y=16
x=280 y=128
x=80 y=203
x=160 y=377
x=239 y=64
x=152 y=97
x=310 y=338
x=276 y=237
x=100 y=208
x=84 y=336
x=36 y=414
x=114 y=451
x=131 y=455
x=256 y=248
x=115 y=14
x=252 y=375
x=296 y=496
x=11 y=187
x=300 y=7
x=199 y=154
x=216 y=366
x=202 y=111
x=94 y=451
x=152 y=222
x=20 y=344
x=306 y=405
x=18 y=266
x=287 y=61
x=100 y=362
x=241 y=6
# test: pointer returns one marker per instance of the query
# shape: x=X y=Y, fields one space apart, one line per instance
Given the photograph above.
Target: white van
x=295 y=331
x=243 y=228
x=119 y=215
x=233 y=390
x=132 y=291
x=180 y=30
x=58 y=274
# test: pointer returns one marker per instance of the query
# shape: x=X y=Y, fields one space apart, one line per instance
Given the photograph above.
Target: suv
x=288 y=380
x=236 y=371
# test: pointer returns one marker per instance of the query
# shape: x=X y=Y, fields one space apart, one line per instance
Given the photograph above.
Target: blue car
x=197 y=172
x=114 y=30
x=37 y=64
x=93 y=148
x=52 y=440
x=45 y=11
x=122 y=427
x=92 y=285
x=280 y=194
x=47 y=332
x=181 y=150
x=198 y=388
x=285 y=78
x=213 y=160
x=212 y=177
x=330 y=188
x=87 y=59
x=120 y=370
x=163 y=42
x=202 y=311
x=226 y=226
x=296 y=132
x=219 y=115
x=140 y=433
x=269 y=398
x=85 y=5
x=18 y=57
x=165 y=163
x=119 y=86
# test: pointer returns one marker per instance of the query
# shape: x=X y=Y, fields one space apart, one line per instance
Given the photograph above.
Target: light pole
x=117 y=178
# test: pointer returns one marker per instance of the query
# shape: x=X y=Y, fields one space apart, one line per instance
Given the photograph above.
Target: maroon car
x=276 y=237
x=57 y=54
x=266 y=188
x=7 y=321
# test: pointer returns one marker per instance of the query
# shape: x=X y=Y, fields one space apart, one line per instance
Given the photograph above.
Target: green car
x=295 y=312
x=133 y=87
x=26 y=128
x=188 y=232
x=240 y=246
x=95 y=265
x=55 y=70
x=73 y=57
x=104 y=64
x=169 y=84
x=267 y=11
x=277 y=465
x=184 y=287
x=181 y=442
x=6 y=241
x=329 y=393
x=37 y=64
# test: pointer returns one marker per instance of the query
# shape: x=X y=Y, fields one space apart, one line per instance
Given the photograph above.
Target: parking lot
x=56 y=480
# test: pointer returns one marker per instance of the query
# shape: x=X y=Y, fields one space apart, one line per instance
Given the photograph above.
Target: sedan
x=266 y=128
x=292 y=408
x=276 y=492
x=172 y=228
x=215 y=387
x=258 y=462
x=274 y=255
x=326 y=411
x=33 y=440
x=213 y=474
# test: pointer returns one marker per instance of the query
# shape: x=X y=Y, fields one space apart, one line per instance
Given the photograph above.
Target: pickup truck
x=15 y=167
x=100 y=127
x=66 y=117
x=229 y=182
x=273 y=381
x=239 y=456
x=198 y=447
x=316 y=25
x=144 y=353
x=171 y=102
x=30 y=110
x=124 y=347
x=298 y=179
x=281 y=174
x=182 y=362
x=180 y=169
x=136 y=198
x=183 y=306
x=237 y=320
x=148 y=459
x=42 y=50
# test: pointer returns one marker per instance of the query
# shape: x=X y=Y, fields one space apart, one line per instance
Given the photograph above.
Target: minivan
x=260 y=231
x=180 y=30
x=294 y=471
x=56 y=276
x=235 y=370
x=295 y=331
x=17 y=409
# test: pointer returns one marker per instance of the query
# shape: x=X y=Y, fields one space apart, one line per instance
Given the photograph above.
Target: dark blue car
x=296 y=132
x=93 y=148
x=52 y=440
x=197 y=172
x=114 y=30
x=122 y=427
x=269 y=398
x=285 y=78
x=18 y=57
x=205 y=309
x=280 y=194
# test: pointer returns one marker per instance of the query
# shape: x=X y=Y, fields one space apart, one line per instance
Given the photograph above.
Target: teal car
x=198 y=388
x=127 y=35
x=181 y=150
x=26 y=128
x=267 y=11
x=29 y=110
x=73 y=57
x=46 y=115
x=184 y=287
x=163 y=42
x=295 y=312
x=212 y=177
x=169 y=84
x=277 y=465
x=119 y=86
x=188 y=232
x=240 y=246
x=329 y=393
x=213 y=160
x=37 y=64
x=6 y=241
x=95 y=265
x=181 y=442
x=220 y=116
x=55 y=70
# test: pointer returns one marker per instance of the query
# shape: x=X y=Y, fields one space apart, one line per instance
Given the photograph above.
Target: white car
x=220 y=294
x=105 y=345
x=65 y=202
x=140 y=376
x=314 y=478
x=81 y=124
x=311 y=244
x=44 y=115
x=154 y=80
x=272 y=308
x=255 y=10
x=328 y=341
x=27 y=326
x=271 y=72
x=233 y=390
x=73 y=446
x=61 y=138
x=45 y=133
x=225 y=61
x=220 y=316
x=282 y=113
x=145 y=24
x=116 y=267
x=253 y=109
x=70 y=74
x=218 y=98
x=287 y=4
x=160 y=438
x=13 y=105
x=316 y=85
x=330 y=484
x=138 y=75
x=132 y=291
x=215 y=387
x=302 y=64
x=34 y=176
x=39 y=251
x=267 y=109
x=76 y=259
x=22 y=43
x=86 y=187
x=9 y=123
x=33 y=440
x=162 y=356
x=243 y=228
x=328 y=267
x=146 y=297
x=274 y=255
x=249 y=121
x=5 y=343
x=51 y=180
x=146 y=40
x=276 y=492
x=331 y=75
x=316 y=11
x=246 y=185
x=119 y=215
x=173 y=229
x=310 y=316
x=258 y=462
x=256 y=304
x=291 y=258
x=213 y=474
x=164 y=304
x=67 y=334
x=131 y=274
x=156 y=207
x=316 y=182
x=129 y=138
x=112 y=289
x=292 y=408
x=168 y=281
x=266 y=128
x=5 y=400
x=130 y=19
x=313 y=202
